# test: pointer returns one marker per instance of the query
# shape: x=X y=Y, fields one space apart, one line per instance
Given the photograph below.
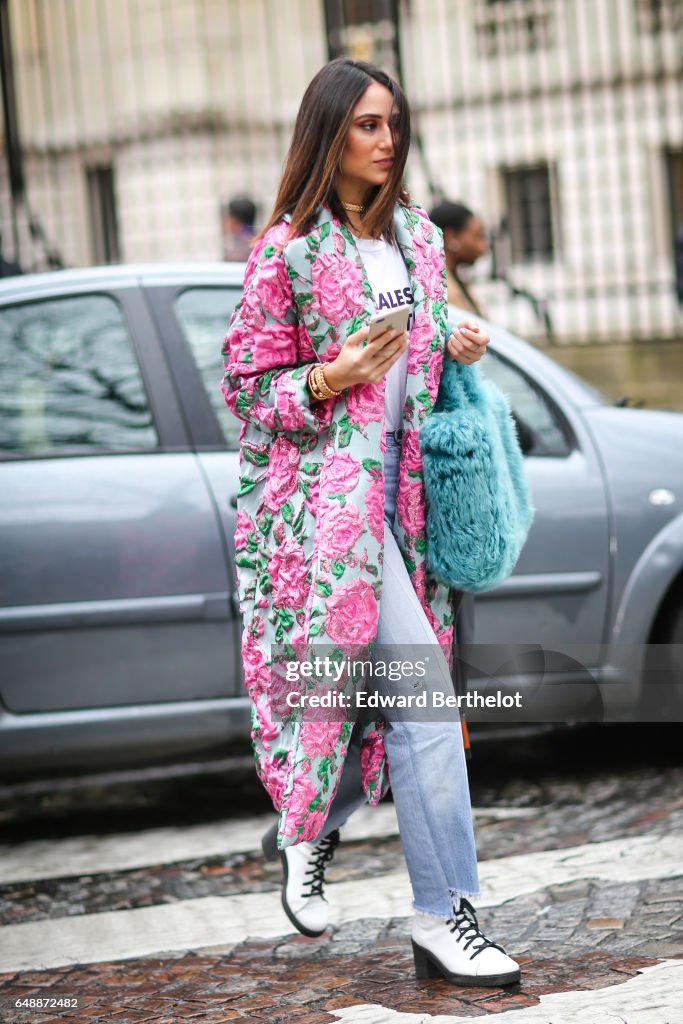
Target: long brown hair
x=315 y=152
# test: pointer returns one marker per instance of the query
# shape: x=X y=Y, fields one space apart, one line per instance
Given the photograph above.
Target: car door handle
x=233 y=501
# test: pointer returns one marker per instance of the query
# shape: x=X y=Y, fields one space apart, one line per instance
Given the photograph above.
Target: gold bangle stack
x=318 y=386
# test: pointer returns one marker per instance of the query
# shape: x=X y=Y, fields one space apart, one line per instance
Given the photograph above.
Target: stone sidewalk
x=257 y=983
x=581 y=935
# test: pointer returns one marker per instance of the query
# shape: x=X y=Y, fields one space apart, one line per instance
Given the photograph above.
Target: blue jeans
x=427 y=766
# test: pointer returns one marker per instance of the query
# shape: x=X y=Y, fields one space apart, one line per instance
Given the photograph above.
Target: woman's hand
x=363 y=364
x=467 y=343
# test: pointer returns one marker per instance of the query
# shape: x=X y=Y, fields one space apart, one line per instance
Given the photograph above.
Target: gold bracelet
x=318 y=385
x=310 y=380
x=324 y=386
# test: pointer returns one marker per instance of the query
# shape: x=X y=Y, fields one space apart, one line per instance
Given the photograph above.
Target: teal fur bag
x=478 y=504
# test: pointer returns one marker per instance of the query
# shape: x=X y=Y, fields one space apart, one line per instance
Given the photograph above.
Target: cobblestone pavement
x=586 y=934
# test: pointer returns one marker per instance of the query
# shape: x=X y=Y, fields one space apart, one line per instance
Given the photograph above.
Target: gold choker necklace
x=353 y=207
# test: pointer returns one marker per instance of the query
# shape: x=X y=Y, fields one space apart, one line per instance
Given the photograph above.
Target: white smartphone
x=396 y=318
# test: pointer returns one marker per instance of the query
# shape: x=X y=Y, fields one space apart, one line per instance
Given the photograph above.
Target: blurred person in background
x=465 y=241
x=239 y=217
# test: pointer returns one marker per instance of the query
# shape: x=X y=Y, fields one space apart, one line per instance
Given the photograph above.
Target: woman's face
x=369 y=150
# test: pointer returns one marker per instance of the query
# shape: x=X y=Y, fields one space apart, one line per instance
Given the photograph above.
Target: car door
x=558 y=594
x=191 y=319
x=115 y=582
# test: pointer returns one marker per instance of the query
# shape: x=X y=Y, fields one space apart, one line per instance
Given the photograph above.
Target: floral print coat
x=310 y=525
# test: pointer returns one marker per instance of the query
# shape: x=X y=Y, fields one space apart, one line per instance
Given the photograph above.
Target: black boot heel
x=269 y=844
x=424 y=966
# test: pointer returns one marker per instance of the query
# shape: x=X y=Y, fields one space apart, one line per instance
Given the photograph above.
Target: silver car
x=119 y=629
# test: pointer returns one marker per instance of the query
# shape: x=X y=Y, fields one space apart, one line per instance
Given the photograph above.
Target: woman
x=330 y=542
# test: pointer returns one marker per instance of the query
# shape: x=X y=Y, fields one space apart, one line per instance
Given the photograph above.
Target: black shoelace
x=464 y=921
x=324 y=852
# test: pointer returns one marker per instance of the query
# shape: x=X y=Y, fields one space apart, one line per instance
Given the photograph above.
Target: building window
x=532 y=228
x=674 y=168
x=358 y=12
x=513 y=26
x=364 y=30
x=104 y=231
x=653 y=16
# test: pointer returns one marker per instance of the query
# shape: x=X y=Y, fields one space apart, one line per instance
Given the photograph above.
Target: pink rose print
x=263 y=413
x=374 y=508
x=253 y=317
x=421 y=336
x=312 y=502
x=243 y=529
x=410 y=506
x=337 y=285
x=412 y=458
x=352 y=613
x=314 y=824
x=341 y=473
x=372 y=753
x=282 y=476
x=332 y=351
x=253 y=656
x=268 y=730
x=319 y=738
x=306 y=350
x=418 y=580
x=302 y=796
x=273 y=288
x=237 y=343
x=429 y=264
x=255 y=669
x=288 y=575
x=273 y=779
x=277 y=236
x=434 y=375
x=273 y=348
x=340 y=527
x=365 y=403
x=288 y=404
x=279 y=531
x=254 y=257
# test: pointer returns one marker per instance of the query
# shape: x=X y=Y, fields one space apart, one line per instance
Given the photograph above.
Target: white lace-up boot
x=455 y=949
x=304 y=865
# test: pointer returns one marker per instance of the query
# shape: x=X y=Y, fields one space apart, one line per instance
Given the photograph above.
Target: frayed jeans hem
x=455 y=895
x=432 y=913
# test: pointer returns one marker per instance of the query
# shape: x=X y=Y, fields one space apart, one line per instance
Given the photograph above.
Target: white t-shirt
x=388 y=277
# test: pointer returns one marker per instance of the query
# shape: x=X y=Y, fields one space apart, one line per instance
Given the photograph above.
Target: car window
x=203 y=314
x=70 y=381
x=539 y=427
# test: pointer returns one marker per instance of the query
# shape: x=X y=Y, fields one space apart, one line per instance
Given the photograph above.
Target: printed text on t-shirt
x=394 y=299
